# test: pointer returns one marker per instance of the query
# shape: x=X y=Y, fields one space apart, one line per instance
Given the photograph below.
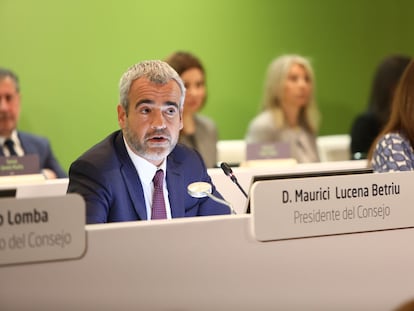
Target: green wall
x=70 y=55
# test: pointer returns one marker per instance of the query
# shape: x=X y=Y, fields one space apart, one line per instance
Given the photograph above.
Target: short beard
x=141 y=149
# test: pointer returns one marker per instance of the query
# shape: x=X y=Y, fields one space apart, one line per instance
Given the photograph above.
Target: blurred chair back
x=334 y=147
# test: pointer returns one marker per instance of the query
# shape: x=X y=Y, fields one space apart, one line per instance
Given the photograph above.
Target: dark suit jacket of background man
x=33 y=144
x=108 y=181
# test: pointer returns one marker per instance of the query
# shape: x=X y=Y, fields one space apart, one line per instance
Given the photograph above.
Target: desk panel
x=214 y=263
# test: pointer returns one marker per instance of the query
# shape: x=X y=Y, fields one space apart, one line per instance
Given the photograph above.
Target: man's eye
x=171 y=111
x=145 y=110
x=9 y=98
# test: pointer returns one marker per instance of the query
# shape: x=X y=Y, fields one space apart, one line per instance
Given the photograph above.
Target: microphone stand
x=229 y=172
x=203 y=189
x=222 y=202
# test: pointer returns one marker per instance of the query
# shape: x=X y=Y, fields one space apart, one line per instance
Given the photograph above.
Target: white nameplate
x=42 y=229
x=317 y=206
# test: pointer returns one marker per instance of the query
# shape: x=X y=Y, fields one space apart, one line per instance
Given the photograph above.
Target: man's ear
x=121 y=116
x=181 y=120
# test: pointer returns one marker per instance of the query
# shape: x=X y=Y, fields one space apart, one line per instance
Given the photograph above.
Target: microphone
x=203 y=189
x=229 y=172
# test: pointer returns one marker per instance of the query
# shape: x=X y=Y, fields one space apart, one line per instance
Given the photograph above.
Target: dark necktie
x=158 y=204
x=10 y=145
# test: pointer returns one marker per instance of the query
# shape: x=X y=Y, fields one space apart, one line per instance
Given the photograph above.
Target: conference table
x=216 y=263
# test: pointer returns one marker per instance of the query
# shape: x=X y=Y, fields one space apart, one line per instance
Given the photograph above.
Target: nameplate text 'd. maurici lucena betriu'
x=328 y=205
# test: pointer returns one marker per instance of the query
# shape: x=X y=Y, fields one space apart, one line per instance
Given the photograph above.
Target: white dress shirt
x=146 y=172
x=17 y=145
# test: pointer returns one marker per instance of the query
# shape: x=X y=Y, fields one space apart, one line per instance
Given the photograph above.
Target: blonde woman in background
x=199 y=132
x=290 y=113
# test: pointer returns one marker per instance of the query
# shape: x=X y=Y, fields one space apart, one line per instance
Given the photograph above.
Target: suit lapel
x=134 y=187
x=175 y=184
x=29 y=146
x=131 y=178
x=26 y=144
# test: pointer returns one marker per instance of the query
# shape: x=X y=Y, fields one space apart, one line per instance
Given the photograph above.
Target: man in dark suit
x=118 y=176
x=17 y=143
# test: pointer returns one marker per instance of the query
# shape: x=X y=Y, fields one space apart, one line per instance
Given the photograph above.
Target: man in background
x=17 y=143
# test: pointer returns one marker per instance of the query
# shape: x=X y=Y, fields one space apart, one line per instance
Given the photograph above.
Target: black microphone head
x=226 y=168
x=228 y=171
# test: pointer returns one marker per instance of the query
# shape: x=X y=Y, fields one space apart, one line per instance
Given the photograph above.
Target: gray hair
x=273 y=89
x=6 y=73
x=156 y=71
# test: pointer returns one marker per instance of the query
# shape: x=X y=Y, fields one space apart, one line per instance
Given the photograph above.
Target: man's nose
x=158 y=121
x=3 y=102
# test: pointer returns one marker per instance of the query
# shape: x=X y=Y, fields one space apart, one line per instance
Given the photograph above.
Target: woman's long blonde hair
x=273 y=92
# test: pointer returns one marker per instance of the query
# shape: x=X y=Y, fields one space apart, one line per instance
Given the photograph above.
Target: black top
x=363 y=133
